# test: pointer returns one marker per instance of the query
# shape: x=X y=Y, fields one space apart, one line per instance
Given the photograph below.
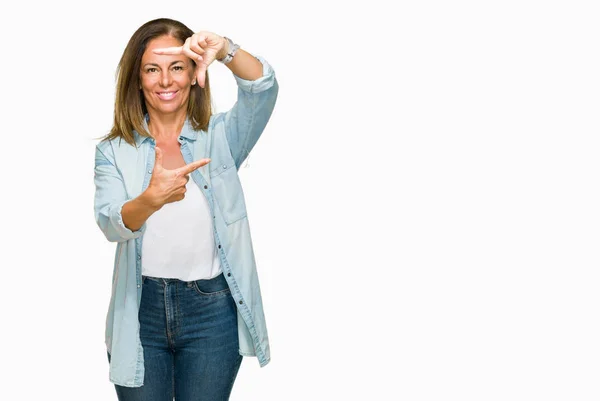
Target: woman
x=185 y=304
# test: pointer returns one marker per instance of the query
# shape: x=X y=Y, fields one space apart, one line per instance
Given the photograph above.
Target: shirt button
x=219 y=246
x=139 y=257
x=228 y=274
x=224 y=165
x=241 y=302
x=149 y=171
x=206 y=186
x=139 y=286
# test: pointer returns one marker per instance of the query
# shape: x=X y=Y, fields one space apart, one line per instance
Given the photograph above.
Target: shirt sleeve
x=109 y=199
x=247 y=119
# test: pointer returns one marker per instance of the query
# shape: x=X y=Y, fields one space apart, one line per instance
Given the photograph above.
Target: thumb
x=158 y=159
x=201 y=74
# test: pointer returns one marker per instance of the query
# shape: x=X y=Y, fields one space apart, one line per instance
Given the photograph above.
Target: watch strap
x=230 y=51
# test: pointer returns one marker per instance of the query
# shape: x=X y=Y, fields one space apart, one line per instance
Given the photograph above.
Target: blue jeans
x=189 y=334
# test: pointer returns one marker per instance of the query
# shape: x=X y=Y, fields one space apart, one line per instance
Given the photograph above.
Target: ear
x=193 y=73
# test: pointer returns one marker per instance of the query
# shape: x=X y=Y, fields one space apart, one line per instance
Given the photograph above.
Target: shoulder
x=103 y=145
x=109 y=148
x=104 y=152
x=215 y=121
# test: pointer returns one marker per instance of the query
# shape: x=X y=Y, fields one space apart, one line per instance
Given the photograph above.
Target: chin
x=169 y=109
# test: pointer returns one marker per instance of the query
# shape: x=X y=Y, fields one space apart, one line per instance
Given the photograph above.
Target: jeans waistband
x=218 y=277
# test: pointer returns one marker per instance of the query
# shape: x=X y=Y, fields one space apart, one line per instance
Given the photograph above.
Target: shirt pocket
x=227 y=192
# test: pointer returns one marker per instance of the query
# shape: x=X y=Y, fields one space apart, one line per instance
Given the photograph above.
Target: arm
x=165 y=186
x=121 y=219
x=257 y=94
x=110 y=200
x=243 y=65
x=136 y=211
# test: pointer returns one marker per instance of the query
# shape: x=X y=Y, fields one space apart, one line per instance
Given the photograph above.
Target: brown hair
x=130 y=106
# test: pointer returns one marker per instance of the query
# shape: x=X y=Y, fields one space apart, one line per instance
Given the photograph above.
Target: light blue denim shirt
x=122 y=172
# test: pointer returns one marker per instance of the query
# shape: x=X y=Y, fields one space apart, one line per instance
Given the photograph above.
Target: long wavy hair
x=130 y=105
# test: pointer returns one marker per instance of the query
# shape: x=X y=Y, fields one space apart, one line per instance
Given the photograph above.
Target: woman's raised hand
x=202 y=47
x=168 y=186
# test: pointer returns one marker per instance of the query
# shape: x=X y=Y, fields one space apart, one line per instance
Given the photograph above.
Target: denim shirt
x=122 y=172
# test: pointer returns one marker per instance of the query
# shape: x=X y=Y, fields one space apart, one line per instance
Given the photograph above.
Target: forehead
x=161 y=42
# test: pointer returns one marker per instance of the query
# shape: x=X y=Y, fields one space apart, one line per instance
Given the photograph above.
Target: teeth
x=167 y=95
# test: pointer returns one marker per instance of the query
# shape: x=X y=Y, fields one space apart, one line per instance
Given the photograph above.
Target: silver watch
x=230 y=51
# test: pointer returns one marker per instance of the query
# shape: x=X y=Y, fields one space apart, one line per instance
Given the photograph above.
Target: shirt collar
x=187 y=132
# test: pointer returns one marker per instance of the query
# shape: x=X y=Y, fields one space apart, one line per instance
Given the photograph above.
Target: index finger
x=188 y=168
x=169 y=50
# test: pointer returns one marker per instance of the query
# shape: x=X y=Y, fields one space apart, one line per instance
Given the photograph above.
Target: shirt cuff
x=116 y=219
x=261 y=84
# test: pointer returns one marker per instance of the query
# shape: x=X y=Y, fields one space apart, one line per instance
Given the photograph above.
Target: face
x=166 y=79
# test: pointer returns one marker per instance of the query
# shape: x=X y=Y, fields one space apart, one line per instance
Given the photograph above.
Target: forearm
x=138 y=210
x=244 y=65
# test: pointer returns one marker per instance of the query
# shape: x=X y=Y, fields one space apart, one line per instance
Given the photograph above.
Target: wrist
x=223 y=52
x=150 y=200
x=229 y=49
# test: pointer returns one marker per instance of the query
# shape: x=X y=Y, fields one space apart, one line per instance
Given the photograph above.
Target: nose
x=165 y=78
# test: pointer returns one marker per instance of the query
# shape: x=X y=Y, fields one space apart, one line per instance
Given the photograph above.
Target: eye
x=178 y=68
x=151 y=69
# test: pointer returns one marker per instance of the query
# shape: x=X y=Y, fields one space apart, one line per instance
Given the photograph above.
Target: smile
x=166 y=95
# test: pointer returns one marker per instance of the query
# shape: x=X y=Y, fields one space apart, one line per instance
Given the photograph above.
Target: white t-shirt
x=179 y=240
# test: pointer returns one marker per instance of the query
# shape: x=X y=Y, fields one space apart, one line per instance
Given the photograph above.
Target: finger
x=188 y=52
x=158 y=157
x=201 y=74
x=196 y=46
x=187 y=169
x=184 y=181
x=169 y=50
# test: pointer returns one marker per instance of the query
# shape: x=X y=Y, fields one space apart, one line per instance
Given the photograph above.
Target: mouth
x=166 y=95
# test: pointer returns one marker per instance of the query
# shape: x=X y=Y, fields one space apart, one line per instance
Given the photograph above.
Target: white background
x=424 y=202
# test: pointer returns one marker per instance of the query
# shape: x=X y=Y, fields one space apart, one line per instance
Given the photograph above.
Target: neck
x=164 y=127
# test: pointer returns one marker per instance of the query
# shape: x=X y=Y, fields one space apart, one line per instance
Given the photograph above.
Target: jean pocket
x=211 y=287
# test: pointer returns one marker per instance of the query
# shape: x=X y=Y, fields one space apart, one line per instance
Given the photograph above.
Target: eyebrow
x=156 y=65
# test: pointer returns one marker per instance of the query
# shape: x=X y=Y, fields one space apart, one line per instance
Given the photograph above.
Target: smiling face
x=166 y=79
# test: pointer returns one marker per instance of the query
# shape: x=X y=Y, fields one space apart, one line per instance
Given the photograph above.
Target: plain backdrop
x=424 y=202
